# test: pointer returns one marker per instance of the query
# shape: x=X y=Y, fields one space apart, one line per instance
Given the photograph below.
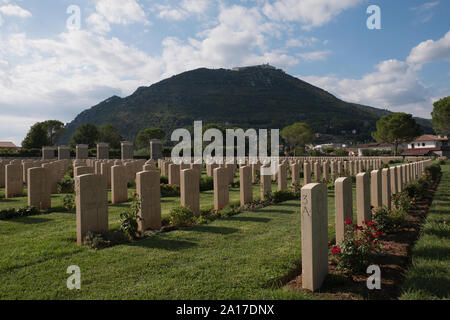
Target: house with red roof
x=6 y=145
x=428 y=145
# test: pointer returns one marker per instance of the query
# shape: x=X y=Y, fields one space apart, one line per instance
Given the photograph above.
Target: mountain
x=249 y=97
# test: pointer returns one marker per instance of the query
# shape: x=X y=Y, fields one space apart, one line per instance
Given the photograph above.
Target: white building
x=428 y=141
x=428 y=145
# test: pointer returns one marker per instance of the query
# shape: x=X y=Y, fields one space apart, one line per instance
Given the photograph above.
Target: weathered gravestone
x=119 y=186
x=39 y=194
x=102 y=151
x=82 y=151
x=343 y=205
x=190 y=190
x=13 y=180
x=174 y=174
x=246 y=189
x=127 y=150
x=63 y=153
x=91 y=199
x=149 y=193
x=314 y=233
x=375 y=189
x=363 y=210
x=156 y=149
x=221 y=192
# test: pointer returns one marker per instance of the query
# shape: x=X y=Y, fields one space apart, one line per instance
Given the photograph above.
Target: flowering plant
x=360 y=242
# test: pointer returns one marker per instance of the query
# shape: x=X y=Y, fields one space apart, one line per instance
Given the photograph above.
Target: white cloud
x=182 y=11
x=170 y=13
x=238 y=39
x=430 y=50
x=394 y=85
x=14 y=11
x=310 y=13
x=424 y=11
x=64 y=75
x=121 y=11
x=315 y=55
x=301 y=42
x=98 y=23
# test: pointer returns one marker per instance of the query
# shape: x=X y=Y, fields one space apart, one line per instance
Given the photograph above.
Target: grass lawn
x=429 y=276
x=242 y=257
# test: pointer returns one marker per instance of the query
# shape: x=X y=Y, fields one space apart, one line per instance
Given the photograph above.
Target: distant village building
x=9 y=146
x=374 y=146
x=428 y=145
x=321 y=147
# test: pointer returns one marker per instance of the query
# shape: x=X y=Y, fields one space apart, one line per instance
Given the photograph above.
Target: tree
x=85 y=134
x=54 y=129
x=145 y=135
x=297 y=135
x=396 y=128
x=441 y=116
x=109 y=134
x=36 y=137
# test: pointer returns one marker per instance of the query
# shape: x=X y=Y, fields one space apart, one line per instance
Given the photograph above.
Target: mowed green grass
x=242 y=257
x=429 y=276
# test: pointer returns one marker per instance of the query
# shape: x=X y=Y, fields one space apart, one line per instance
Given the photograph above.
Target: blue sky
x=50 y=71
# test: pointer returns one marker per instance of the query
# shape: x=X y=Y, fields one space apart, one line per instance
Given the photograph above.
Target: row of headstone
x=82 y=151
x=376 y=191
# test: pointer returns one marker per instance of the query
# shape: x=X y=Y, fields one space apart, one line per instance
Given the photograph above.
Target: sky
x=58 y=58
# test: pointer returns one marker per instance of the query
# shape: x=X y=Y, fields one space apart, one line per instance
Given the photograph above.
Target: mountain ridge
x=251 y=97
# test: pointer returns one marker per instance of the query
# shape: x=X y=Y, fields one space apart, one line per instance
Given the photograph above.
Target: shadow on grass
x=250 y=219
x=30 y=220
x=12 y=200
x=214 y=229
x=60 y=209
x=436 y=253
x=431 y=279
x=281 y=211
x=165 y=244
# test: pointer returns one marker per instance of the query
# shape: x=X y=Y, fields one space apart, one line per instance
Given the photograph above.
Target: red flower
x=370 y=223
x=360 y=228
x=329 y=243
x=220 y=208
x=335 y=250
x=349 y=221
x=379 y=233
x=357 y=242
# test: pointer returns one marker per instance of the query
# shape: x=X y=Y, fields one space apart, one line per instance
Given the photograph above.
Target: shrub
x=181 y=216
x=388 y=221
x=432 y=172
x=66 y=185
x=170 y=190
x=206 y=183
x=129 y=219
x=360 y=242
x=96 y=240
x=442 y=162
x=69 y=202
x=416 y=189
x=296 y=188
x=18 y=213
x=235 y=184
x=402 y=201
x=164 y=179
x=282 y=195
